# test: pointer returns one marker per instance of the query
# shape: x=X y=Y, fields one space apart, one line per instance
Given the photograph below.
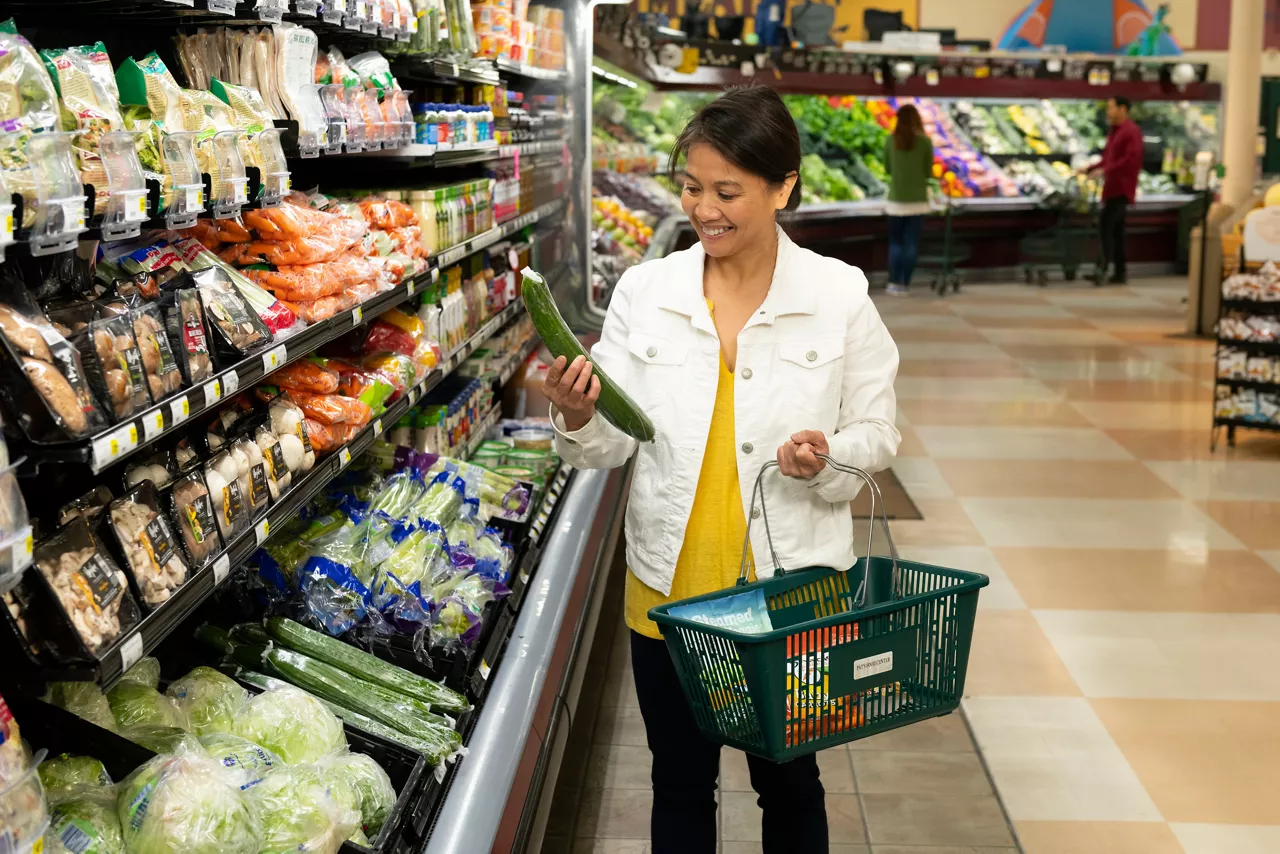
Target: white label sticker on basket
x=865 y=667
x=130 y=651
x=221 y=568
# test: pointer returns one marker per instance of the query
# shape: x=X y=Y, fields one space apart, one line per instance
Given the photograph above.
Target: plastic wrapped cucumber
x=355 y=661
x=614 y=404
x=323 y=680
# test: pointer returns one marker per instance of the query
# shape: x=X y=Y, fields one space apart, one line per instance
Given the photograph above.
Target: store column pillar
x=1244 y=89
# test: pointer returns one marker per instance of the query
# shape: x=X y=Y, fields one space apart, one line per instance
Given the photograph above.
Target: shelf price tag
x=377 y=427
x=230 y=383
x=344 y=458
x=408 y=287
x=153 y=423
x=221 y=569
x=130 y=651
x=222 y=7
x=180 y=409
x=357 y=316
x=274 y=358
x=484 y=670
x=261 y=531
x=212 y=392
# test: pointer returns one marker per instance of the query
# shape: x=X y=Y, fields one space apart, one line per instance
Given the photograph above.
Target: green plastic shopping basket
x=841 y=663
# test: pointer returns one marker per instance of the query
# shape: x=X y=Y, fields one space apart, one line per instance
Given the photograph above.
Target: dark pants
x=904 y=247
x=686 y=766
x=1113 y=216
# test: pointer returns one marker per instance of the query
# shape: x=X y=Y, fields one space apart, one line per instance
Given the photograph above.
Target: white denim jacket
x=815 y=356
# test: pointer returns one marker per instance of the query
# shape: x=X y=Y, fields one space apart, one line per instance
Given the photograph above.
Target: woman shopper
x=908 y=158
x=741 y=349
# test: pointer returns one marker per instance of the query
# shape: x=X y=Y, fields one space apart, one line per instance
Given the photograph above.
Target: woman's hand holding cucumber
x=573 y=391
x=798 y=457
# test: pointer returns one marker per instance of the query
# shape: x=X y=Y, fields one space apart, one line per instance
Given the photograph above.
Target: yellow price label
x=360 y=9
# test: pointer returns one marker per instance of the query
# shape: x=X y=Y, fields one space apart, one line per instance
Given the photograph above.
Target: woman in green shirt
x=908 y=157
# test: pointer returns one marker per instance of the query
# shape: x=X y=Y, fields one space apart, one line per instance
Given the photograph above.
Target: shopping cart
x=943 y=254
x=1066 y=244
x=841 y=663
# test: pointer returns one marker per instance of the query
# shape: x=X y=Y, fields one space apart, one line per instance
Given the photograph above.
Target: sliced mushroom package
x=148 y=545
x=184 y=322
x=88 y=587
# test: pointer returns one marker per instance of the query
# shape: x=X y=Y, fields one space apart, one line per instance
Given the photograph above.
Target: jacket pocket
x=658 y=369
x=810 y=372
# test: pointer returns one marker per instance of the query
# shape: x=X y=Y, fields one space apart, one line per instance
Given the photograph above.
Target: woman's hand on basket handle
x=798 y=457
x=573 y=391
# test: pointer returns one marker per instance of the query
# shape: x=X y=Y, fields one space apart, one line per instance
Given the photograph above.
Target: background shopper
x=908 y=158
x=1121 y=162
x=742 y=348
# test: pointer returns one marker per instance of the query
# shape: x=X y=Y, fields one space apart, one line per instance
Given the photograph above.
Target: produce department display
x=199 y=363
x=981 y=150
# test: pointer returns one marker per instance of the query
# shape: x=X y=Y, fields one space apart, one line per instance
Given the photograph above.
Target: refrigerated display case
x=267 y=480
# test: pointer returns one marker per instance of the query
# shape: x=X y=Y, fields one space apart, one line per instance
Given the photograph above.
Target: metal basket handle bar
x=757 y=491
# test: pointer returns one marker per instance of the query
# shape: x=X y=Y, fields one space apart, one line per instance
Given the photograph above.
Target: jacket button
x=812 y=355
x=747 y=447
x=755 y=512
x=651 y=352
x=746 y=373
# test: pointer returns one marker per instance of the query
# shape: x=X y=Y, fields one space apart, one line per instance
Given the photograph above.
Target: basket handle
x=746 y=565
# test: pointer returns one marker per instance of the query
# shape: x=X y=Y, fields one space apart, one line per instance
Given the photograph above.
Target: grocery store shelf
x=475 y=803
x=120 y=441
x=499 y=232
x=525 y=149
x=1270 y=348
x=529 y=71
x=157 y=625
x=481 y=429
x=1252 y=306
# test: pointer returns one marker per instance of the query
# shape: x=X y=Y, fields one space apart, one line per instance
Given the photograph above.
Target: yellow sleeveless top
x=712 y=550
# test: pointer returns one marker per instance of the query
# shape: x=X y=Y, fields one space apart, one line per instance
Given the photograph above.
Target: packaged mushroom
x=89 y=507
x=185 y=457
x=289 y=424
x=163 y=376
x=253 y=473
x=193 y=513
x=236 y=328
x=230 y=503
x=184 y=322
x=148 y=545
x=113 y=366
x=279 y=477
x=88 y=587
x=62 y=405
x=159 y=468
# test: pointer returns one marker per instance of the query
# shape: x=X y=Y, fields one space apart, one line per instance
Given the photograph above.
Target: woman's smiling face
x=730 y=208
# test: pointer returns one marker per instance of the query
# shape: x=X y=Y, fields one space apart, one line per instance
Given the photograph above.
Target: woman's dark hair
x=909 y=127
x=751 y=128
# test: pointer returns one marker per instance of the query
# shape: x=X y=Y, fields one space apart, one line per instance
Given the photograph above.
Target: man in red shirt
x=1121 y=162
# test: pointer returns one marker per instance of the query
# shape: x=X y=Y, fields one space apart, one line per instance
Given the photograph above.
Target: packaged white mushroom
x=158 y=468
x=193 y=513
x=230 y=504
x=253 y=474
x=290 y=425
x=279 y=476
x=148 y=545
x=88 y=586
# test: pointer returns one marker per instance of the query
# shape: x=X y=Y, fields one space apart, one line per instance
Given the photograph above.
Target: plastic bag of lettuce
x=185 y=802
x=211 y=701
x=82 y=807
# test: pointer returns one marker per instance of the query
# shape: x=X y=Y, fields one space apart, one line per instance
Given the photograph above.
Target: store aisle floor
x=1123 y=687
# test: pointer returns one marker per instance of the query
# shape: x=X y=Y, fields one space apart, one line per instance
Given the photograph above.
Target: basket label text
x=864 y=667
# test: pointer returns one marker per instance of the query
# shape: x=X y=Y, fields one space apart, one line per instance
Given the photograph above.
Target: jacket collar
x=789 y=292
